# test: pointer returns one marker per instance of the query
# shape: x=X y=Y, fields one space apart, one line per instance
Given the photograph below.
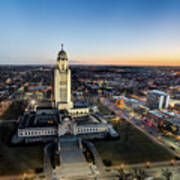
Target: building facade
x=62 y=82
x=157 y=99
x=44 y=121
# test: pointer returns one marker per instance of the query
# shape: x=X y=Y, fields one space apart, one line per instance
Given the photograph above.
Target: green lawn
x=14 y=110
x=17 y=159
x=132 y=147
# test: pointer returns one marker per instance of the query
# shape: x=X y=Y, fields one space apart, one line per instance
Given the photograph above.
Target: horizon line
x=79 y=64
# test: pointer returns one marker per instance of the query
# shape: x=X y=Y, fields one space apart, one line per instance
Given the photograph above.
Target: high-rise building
x=62 y=82
x=157 y=99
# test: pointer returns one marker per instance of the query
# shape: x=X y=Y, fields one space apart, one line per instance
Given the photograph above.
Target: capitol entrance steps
x=71 y=151
x=72 y=159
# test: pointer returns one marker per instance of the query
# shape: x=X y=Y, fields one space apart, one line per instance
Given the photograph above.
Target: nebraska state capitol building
x=62 y=116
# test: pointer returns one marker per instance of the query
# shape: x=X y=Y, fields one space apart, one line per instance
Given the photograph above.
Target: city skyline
x=133 y=32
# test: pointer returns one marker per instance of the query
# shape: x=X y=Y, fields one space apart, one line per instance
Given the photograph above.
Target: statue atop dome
x=62 y=55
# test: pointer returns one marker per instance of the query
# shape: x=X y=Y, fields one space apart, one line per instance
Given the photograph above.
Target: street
x=151 y=132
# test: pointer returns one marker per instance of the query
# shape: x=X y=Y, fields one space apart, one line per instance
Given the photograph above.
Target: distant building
x=157 y=99
x=119 y=100
x=4 y=106
x=177 y=106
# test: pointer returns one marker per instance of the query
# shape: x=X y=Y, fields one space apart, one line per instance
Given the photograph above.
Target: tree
x=48 y=94
x=15 y=110
x=122 y=175
x=126 y=132
x=168 y=174
x=107 y=162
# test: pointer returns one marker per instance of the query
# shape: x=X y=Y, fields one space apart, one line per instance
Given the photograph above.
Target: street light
x=159 y=137
x=122 y=166
x=148 y=164
x=33 y=102
x=173 y=162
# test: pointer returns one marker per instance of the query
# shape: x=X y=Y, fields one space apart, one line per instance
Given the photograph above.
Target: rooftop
x=70 y=151
x=161 y=93
x=33 y=120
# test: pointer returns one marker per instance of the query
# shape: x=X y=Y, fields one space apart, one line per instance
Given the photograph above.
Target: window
x=20 y=134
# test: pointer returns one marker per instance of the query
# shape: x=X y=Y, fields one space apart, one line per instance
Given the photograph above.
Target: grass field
x=17 y=159
x=132 y=147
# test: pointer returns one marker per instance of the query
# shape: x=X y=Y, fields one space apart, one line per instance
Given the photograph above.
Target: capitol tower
x=62 y=82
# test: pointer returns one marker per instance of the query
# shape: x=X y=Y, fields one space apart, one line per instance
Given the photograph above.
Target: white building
x=62 y=86
x=62 y=82
x=45 y=122
x=46 y=125
x=157 y=99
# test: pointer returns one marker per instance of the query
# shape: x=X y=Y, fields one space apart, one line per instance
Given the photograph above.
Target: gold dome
x=62 y=54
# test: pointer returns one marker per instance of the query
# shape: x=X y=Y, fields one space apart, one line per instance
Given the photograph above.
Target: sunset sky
x=120 y=32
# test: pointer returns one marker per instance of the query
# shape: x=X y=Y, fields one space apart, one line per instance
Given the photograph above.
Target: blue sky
x=133 y=32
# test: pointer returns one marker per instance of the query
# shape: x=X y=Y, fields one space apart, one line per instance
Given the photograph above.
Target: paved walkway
x=73 y=164
x=48 y=169
x=8 y=121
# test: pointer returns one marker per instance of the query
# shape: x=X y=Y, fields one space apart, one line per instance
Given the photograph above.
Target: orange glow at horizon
x=162 y=58
x=124 y=61
x=153 y=60
x=133 y=62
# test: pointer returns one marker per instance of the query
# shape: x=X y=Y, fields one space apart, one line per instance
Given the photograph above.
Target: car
x=177 y=158
x=173 y=148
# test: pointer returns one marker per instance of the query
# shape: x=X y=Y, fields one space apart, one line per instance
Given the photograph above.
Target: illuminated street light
x=33 y=102
x=122 y=166
x=148 y=164
x=173 y=162
x=159 y=137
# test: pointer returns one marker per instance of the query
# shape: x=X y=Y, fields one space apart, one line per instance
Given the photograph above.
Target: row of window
x=79 y=112
x=42 y=132
x=87 y=130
